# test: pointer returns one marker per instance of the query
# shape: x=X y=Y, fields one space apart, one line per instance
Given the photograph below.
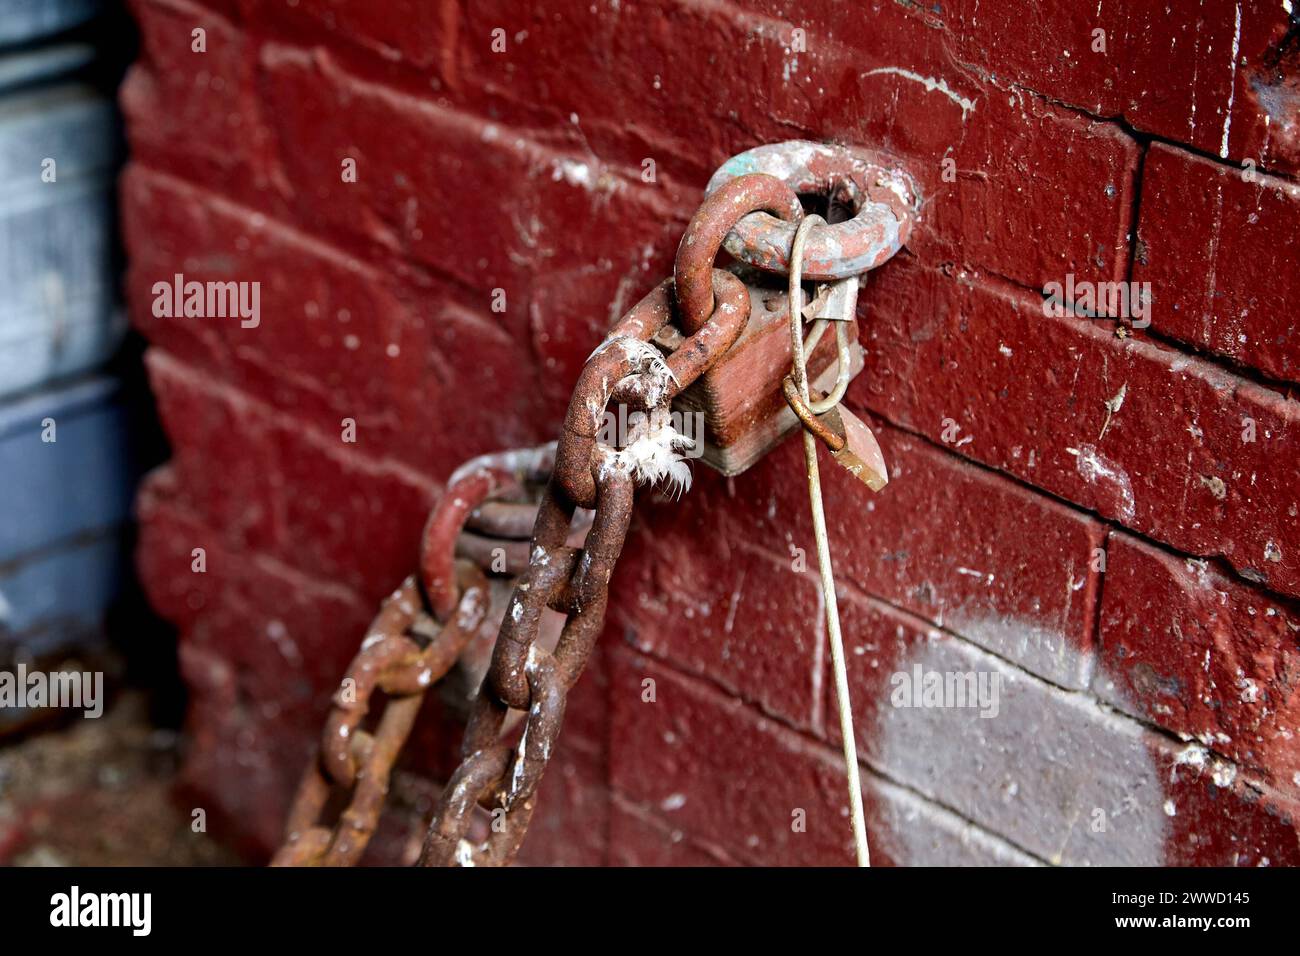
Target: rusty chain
x=420 y=631
x=424 y=625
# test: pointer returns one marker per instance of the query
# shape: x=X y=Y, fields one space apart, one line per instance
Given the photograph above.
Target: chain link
x=415 y=639
x=499 y=773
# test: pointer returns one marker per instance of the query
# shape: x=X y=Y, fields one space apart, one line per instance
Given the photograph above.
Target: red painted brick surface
x=638 y=838
x=1168 y=71
x=1233 y=679
x=955 y=358
x=1218 y=243
x=1103 y=518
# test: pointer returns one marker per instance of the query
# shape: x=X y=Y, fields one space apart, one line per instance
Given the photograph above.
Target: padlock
x=740 y=399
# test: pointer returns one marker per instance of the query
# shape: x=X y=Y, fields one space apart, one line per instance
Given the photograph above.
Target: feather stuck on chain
x=656 y=457
x=653 y=453
x=654 y=379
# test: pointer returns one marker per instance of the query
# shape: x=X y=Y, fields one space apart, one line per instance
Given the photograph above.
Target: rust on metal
x=627 y=368
x=561 y=550
x=469 y=488
x=525 y=676
x=698 y=352
x=883 y=197
x=850 y=441
x=739 y=397
x=823 y=432
x=409 y=646
x=522 y=675
x=718 y=214
x=349 y=757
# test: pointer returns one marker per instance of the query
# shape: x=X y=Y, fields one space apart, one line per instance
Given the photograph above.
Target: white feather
x=654 y=456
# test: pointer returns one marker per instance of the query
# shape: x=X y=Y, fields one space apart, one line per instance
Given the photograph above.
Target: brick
x=717 y=772
x=360 y=525
x=198 y=114
x=639 y=838
x=570 y=825
x=708 y=766
x=570 y=310
x=239 y=773
x=1219 y=817
x=1171 y=463
x=1050 y=771
x=955 y=544
x=288 y=637
x=558 y=209
x=418 y=34
x=333 y=339
x=493 y=389
x=715 y=608
x=575 y=234
x=905 y=830
x=962 y=547
x=637 y=90
x=1203 y=98
x=1216 y=249
x=428 y=380
x=306 y=497
x=1219 y=664
x=239 y=498
x=163 y=563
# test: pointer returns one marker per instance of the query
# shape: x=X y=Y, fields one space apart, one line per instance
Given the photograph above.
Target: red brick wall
x=1149 y=698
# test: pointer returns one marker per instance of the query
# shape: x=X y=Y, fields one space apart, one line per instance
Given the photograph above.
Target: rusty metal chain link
x=502 y=778
x=420 y=631
x=411 y=645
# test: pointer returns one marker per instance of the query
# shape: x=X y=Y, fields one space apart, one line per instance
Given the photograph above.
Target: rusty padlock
x=740 y=399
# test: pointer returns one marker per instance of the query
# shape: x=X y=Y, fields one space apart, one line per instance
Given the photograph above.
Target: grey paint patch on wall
x=1054 y=773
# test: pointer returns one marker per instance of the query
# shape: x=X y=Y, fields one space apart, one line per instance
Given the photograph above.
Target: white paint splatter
x=1193 y=755
x=572 y=172
x=931 y=85
x=464 y=853
x=1223 y=774
x=1232 y=86
x=1094 y=468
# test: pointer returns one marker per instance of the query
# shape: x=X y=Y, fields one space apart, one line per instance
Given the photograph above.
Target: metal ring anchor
x=885 y=200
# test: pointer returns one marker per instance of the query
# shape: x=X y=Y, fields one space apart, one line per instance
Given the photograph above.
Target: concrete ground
x=99 y=793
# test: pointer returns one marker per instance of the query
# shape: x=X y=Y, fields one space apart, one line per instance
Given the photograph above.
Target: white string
x=823 y=546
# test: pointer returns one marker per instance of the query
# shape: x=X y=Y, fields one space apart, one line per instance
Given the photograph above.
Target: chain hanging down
x=423 y=626
x=420 y=631
x=494 y=504
x=628 y=369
